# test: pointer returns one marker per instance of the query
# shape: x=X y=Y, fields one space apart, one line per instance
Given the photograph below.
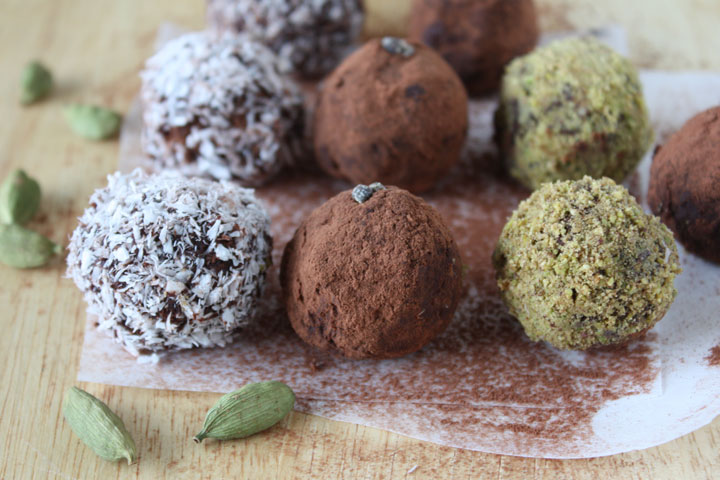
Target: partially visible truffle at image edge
x=395 y=112
x=217 y=106
x=167 y=262
x=309 y=37
x=685 y=184
x=580 y=265
x=477 y=37
x=571 y=108
x=372 y=273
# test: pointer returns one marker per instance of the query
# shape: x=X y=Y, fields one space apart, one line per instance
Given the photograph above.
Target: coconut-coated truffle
x=570 y=109
x=167 y=262
x=685 y=184
x=477 y=37
x=218 y=106
x=394 y=112
x=377 y=279
x=309 y=36
x=580 y=265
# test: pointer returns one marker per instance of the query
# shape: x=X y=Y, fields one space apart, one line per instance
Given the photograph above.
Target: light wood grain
x=95 y=48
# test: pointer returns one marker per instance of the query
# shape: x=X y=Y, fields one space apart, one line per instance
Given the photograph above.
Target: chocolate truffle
x=395 y=112
x=166 y=262
x=572 y=108
x=310 y=37
x=477 y=37
x=580 y=265
x=685 y=184
x=377 y=279
x=218 y=107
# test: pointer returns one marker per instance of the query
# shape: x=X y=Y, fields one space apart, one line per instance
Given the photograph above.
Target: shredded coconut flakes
x=167 y=262
x=217 y=106
x=309 y=36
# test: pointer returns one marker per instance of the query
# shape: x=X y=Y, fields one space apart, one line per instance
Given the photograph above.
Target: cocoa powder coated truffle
x=377 y=279
x=569 y=109
x=580 y=265
x=167 y=262
x=477 y=37
x=309 y=36
x=394 y=112
x=217 y=106
x=685 y=184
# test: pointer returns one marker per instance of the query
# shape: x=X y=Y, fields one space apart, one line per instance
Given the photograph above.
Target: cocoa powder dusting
x=713 y=358
x=391 y=118
x=684 y=186
x=373 y=279
x=478 y=38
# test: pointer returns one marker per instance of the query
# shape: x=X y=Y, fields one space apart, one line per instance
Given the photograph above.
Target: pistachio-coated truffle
x=580 y=265
x=371 y=273
x=685 y=184
x=570 y=109
x=394 y=112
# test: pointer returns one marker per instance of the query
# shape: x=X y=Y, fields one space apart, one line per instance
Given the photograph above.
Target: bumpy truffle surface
x=167 y=262
x=309 y=36
x=685 y=184
x=377 y=279
x=217 y=106
x=572 y=108
x=477 y=37
x=395 y=112
x=580 y=265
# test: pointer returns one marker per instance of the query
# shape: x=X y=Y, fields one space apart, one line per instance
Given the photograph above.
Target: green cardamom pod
x=247 y=411
x=19 y=198
x=36 y=82
x=98 y=427
x=93 y=122
x=23 y=248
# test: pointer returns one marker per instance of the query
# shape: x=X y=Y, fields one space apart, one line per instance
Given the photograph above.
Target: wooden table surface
x=95 y=49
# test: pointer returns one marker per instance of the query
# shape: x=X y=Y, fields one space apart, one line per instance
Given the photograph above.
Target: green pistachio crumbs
x=580 y=265
x=572 y=108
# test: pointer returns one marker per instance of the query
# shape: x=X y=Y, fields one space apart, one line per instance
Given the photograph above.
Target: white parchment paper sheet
x=447 y=393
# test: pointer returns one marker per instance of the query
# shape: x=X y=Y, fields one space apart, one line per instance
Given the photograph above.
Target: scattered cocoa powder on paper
x=483 y=376
x=713 y=358
x=481 y=384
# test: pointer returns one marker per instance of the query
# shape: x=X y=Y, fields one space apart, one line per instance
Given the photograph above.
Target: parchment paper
x=482 y=385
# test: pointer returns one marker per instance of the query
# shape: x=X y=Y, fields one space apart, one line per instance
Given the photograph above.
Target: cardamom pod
x=93 y=122
x=36 y=82
x=247 y=411
x=98 y=427
x=23 y=248
x=19 y=198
